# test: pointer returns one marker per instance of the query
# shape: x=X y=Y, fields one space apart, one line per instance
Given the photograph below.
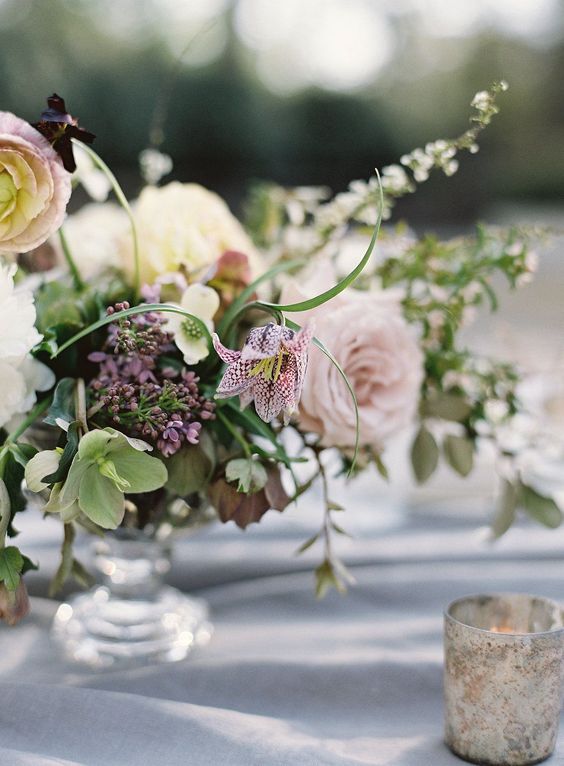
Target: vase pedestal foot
x=105 y=629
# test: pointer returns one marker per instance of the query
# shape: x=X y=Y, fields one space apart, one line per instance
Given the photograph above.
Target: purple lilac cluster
x=139 y=393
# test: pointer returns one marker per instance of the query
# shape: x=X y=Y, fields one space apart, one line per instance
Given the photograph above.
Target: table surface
x=286 y=679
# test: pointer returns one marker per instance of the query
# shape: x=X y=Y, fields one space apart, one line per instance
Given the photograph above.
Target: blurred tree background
x=301 y=91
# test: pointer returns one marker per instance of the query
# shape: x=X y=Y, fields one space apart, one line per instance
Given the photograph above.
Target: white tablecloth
x=287 y=680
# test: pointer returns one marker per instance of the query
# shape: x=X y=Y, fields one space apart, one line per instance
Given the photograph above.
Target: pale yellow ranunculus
x=185 y=227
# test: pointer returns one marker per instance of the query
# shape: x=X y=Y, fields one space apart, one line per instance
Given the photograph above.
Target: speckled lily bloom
x=270 y=369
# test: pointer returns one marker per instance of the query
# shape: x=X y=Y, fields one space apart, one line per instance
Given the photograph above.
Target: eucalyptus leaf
x=424 y=455
x=448 y=407
x=307 y=544
x=381 y=466
x=459 y=452
x=540 y=508
x=505 y=514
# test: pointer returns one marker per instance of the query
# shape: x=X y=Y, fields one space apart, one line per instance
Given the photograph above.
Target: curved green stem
x=38 y=410
x=239 y=302
x=76 y=278
x=327 y=295
x=342 y=373
x=122 y=199
x=144 y=308
x=273 y=311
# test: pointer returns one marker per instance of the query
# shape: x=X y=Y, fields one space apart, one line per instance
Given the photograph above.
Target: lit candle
x=503 y=657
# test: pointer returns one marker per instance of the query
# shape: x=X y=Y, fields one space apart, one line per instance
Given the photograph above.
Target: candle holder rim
x=503 y=594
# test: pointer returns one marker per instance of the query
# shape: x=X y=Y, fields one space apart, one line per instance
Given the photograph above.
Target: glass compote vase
x=133 y=617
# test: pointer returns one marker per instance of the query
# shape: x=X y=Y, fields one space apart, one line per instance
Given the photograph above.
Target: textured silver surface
x=503 y=689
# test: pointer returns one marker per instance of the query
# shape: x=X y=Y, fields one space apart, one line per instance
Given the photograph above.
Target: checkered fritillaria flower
x=269 y=369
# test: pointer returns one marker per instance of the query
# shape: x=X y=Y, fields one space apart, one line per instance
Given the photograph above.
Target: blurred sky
x=301 y=91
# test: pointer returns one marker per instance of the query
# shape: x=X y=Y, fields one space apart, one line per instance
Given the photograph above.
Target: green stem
x=38 y=410
x=144 y=308
x=76 y=278
x=234 y=433
x=122 y=199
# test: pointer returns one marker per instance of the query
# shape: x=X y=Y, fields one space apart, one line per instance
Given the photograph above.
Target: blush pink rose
x=34 y=186
x=369 y=337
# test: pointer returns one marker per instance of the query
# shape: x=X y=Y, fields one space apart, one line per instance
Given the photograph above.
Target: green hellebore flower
x=107 y=465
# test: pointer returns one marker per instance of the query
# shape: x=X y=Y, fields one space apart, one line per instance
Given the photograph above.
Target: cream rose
x=34 y=186
x=184 y=226
x=369 y=337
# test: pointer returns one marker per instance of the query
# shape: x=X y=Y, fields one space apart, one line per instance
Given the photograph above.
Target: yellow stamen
x=270 y=367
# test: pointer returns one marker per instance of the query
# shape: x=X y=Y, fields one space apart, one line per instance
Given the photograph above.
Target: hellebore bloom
x=270 y=369
x=202 y=302
x=107 y=465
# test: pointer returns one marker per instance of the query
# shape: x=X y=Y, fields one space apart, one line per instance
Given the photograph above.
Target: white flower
x=20 y=374
x=202 y=302
x=154 y=165
x=12 y=392
x=94 y=237
x=17 y=319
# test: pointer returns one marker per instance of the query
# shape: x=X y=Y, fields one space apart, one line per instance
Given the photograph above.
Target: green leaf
x=56 y=305
x=505 y=515
x=190 y=469
x=331 y=506
x=339 y=530
x=28 y=565
x=250 y=474
x=424 y=455
x=308 y=543
x=23 y=453
x=63 y=405
x=540 y=508
x=381 y=467
x=448 y=407
x=11 y=565
x=459 y=452
x=68 y=455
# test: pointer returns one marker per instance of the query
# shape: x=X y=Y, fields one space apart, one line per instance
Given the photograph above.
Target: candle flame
x=501 y=629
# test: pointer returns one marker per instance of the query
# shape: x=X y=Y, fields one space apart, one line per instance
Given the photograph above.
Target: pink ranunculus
x=371 y=340
x=34 y=186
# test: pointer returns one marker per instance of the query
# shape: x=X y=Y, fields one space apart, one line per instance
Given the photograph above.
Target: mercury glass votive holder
x=502 y=683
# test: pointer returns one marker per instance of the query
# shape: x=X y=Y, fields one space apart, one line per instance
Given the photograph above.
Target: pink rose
x=369 y=337
x=34 y=186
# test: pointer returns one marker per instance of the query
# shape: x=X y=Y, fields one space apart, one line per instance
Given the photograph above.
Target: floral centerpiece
x=165 y=348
